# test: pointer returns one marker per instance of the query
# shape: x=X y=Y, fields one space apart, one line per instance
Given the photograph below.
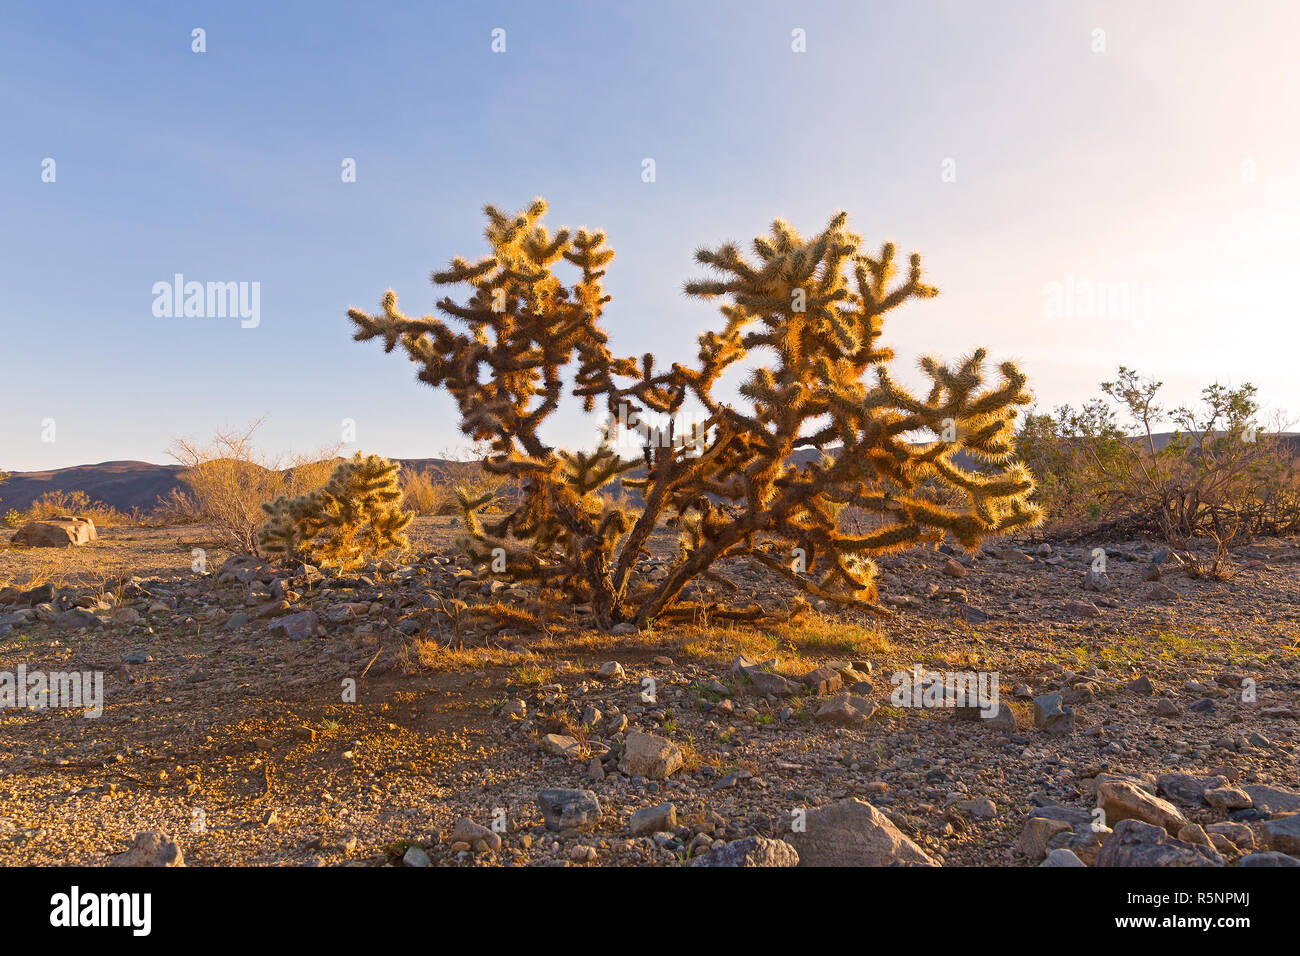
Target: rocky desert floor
x=284 y=716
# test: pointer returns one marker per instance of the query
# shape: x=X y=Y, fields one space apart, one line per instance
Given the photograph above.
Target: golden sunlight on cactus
x=741 y=485
x=356 y=516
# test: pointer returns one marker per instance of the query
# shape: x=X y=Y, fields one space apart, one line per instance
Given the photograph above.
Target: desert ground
x=227 y=723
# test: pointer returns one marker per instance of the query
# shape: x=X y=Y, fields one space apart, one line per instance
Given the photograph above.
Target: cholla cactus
x=356 y=516
x=736 y=486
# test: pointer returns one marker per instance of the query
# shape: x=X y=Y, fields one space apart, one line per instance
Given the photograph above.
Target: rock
x=1162 y=592
x=1134 y=843
x=64 y=531
x=471 y=833
x=645 y=755
x=1271 y=858
x=245 y=568
x=1241 y=835
x=751 y=851
x=1272 y=799
x=765 y=683
x=970 y=614
x=981 y=808
x=76 y=618
x=1051 y=716
x=1283 y=833
x=297 y=627
x=1187 y=788
x=662 y=818
x=1121 y=800
x=1062 y=857
x=851 y=832
x=570 y=809
x=1082 y=609
x=560 y=745
x=1166 y=708
x=1193 y=833
x=624 y=629
x=1037 y=831
x=823 y=680
x=954 y=569
x=1141 y=685
x=611 y=670
x=851 y=677
x=151 y=848
x=515 y=708
x=744 y=666
x=1097 y=581
x=415 y=856
x=845 y=710
x=1227 y=799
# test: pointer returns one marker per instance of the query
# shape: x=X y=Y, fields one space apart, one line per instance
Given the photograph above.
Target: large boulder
x=65 y=531
x=1283 y=834
x=1134 y=843
x=1122 y=800
x=851 y=832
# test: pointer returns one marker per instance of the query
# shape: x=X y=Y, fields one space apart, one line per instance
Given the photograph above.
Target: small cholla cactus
x=356 y=516
x=739 y=483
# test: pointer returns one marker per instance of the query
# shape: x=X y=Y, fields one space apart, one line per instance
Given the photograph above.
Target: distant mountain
x=121 y=484
x=139 y=484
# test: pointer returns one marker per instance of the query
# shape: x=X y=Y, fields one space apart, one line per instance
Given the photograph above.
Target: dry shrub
x=229 y=480
x=420 y=494
x=432 y=490
x=176 y=508
x=1218 y=475
x=54 y=504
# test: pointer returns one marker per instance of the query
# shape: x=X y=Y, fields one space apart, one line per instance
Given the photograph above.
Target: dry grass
x=229 y=480
x=432 y=491
x=54 y=504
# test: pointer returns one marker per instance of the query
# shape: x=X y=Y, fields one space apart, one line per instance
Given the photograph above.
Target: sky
x=1089 y=184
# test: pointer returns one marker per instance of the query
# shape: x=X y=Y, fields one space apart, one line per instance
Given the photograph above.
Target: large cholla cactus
x=356 y=516
x=736 y=485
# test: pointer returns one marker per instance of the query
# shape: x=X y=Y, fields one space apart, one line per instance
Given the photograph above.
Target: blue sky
x=1166 y=166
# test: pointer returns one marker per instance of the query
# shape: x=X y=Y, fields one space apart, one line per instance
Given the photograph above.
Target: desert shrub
x=177 y=507
x=814 y=308
x=1216 y=474
x=356 y=516
x=422 y=495
x=58 y=502
x=229 y=480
